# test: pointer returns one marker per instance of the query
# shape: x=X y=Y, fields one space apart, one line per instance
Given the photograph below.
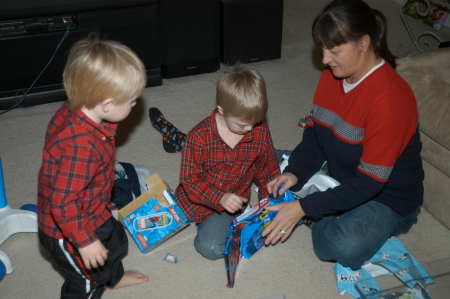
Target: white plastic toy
x=13 y=221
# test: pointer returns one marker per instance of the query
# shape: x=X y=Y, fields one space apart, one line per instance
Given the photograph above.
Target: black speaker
x=189 y=32
x=251 y=30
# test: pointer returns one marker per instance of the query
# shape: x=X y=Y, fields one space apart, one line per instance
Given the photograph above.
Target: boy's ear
x=220 y=110
x=106 y=105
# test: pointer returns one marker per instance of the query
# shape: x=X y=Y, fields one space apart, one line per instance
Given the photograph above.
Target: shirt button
x=104 y=138
x=112 y=137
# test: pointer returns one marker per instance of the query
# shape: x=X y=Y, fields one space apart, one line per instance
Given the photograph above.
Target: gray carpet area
x=290 y=268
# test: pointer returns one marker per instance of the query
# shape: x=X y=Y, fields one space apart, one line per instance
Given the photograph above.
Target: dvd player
x=37 y=25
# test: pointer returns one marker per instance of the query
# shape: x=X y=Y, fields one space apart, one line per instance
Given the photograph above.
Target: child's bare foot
x=130 y=278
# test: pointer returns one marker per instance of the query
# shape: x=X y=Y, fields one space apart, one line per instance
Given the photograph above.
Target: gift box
x=153 y=217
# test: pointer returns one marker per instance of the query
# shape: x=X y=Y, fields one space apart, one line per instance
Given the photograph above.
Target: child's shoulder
x=206 y=126
x=64 y=128
x=262 y=128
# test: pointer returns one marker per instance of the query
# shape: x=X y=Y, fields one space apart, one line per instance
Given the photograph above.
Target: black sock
x=173 y=139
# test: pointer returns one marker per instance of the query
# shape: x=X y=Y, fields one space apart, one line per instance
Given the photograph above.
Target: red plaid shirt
x=76 y=177
x=210 y=168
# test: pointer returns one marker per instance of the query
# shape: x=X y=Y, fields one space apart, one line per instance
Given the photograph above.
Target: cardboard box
x=153 y=217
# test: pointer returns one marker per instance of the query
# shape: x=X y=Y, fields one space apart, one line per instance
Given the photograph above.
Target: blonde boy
x=223 y=155
x=102 y=79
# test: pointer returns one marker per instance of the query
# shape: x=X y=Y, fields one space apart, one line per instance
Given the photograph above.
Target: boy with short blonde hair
x=222 y=156
x=242 y=93
x=103 y=79
x=97 y=70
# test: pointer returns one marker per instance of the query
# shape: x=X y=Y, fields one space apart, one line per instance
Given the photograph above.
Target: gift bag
x=244 y=234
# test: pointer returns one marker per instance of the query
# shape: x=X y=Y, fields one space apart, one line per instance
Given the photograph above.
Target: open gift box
x=153 y=217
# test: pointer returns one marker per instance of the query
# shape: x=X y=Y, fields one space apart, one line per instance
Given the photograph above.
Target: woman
x=365 y=126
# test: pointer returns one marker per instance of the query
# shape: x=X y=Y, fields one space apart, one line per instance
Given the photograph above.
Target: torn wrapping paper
x=395 y=258
x=317 y=183
x=346 y=279
x=244 y=235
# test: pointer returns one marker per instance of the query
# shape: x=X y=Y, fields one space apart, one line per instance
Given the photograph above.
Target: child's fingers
x=242 y=200
x=87 y=264
x=231 y=206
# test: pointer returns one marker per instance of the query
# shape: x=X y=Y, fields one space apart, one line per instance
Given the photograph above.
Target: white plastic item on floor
x=12 y=221
x=16 y=221
x=5 y=265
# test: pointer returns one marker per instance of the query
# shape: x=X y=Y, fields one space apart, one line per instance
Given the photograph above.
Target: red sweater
x=370 y=139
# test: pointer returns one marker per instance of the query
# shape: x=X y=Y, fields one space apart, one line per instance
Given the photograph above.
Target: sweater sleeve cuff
x=216 y=197
x=298 y=174
x=307 y=208
x=83 y=238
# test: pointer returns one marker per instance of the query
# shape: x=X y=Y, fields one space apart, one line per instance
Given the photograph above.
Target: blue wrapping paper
x=393 y=256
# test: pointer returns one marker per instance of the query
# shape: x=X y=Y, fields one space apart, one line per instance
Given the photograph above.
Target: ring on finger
x=283 y=232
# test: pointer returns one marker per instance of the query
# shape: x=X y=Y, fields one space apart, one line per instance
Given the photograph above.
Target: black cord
x=32 y=85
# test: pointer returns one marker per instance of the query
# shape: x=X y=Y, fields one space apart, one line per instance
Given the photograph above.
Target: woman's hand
x=287 y=178
x=288 y=216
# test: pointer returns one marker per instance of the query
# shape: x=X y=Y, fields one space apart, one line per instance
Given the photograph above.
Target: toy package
x=433 y=13
x=153 y=217
x=244 y=235
x=151 y=224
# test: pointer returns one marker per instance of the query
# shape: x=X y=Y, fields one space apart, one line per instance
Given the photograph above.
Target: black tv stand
x=30 y=32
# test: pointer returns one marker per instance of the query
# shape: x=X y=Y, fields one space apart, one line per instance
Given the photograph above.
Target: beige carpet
x=290 y=268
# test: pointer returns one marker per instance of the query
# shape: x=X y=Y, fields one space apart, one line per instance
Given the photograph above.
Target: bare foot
x=130 y=278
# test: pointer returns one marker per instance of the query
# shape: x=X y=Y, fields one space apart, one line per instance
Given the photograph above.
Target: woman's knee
x=352 y=254
x=347 y=248
x=329 y=247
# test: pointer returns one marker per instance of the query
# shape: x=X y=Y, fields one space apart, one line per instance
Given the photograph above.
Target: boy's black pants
x=83 y=283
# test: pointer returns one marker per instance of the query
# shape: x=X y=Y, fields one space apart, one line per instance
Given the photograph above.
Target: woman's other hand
x=287 y=178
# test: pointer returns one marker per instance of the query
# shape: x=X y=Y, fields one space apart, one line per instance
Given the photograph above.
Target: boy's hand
x=287 y=178
x=232 y=202
x=94 y=255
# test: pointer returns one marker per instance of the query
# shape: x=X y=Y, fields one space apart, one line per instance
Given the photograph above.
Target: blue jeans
x=355 y=236
x=212 y=235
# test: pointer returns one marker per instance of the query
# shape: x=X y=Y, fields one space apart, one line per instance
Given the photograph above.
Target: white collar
x=350 y=86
